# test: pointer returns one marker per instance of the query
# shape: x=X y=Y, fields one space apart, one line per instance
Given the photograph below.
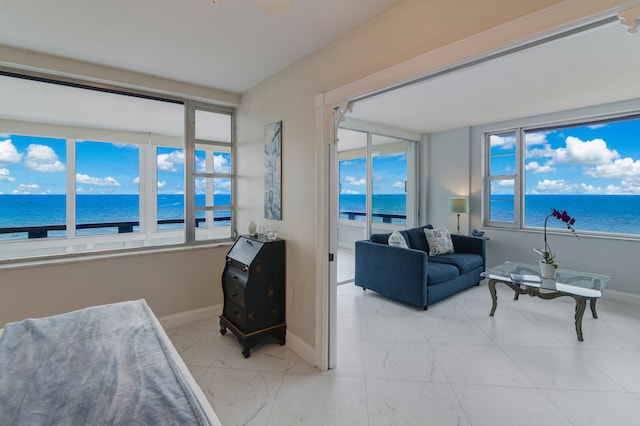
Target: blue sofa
x=410 y=275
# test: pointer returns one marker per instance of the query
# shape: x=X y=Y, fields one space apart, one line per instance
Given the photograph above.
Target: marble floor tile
x=452 y=330
x=401 y=360
x=597 y=408
x=348 y=326
x=621 y=366
x=391 y=327
x=559 y=368
x=479 y=364
x=508 y=406
x=267 y=356
x=393 y=402
x=452 y=364
x=241 y=397
x=520 y=332
x=320 y=400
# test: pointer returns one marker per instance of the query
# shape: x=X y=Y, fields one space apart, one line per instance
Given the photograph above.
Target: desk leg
x=581 y=305
x=593 y=308
x=494 y=296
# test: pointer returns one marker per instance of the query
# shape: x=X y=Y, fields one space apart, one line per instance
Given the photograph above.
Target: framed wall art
x=273 y=171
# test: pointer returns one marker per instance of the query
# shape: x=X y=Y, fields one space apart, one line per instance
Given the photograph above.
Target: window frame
x=596 y=115
x=148 y=237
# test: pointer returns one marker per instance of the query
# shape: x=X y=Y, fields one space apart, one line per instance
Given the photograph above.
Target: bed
x=110 y=364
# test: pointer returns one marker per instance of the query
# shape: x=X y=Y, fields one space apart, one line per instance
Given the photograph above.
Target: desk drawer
x=236 y=315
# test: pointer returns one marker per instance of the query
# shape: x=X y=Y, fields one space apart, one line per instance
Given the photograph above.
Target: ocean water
x=44 y=210
x=382 y=204
x=604 y=213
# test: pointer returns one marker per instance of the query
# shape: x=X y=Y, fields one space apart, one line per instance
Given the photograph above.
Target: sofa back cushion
x=416 y=239
x=380 y=238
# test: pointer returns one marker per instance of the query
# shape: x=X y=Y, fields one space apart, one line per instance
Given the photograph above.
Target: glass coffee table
x=525 y=279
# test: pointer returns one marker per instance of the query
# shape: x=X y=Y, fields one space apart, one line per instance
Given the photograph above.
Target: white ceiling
x=593 y=67
x=232 y=45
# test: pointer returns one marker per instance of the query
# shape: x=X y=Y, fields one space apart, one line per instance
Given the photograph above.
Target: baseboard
x=303 y=349
x=188 y=317
x=621 y=297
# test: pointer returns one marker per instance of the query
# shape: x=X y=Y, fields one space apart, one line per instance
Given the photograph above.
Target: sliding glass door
x=377 y=178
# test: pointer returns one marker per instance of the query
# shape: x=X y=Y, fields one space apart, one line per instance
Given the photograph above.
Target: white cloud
x=399 y=184
x=349 y=191
x=539 y=138
x=89 y=180
x=5 y=176
x=27 y=188
x=161 y=184
x=136 y=180
x=222 y=186
x=166 y=162
x=554 y=186
x=8 y=152
x=42 y=158
x=221 y=164
x=505 y=142
x=535 y=167
x=351 y=180
x=625 y=168
x=585 y=152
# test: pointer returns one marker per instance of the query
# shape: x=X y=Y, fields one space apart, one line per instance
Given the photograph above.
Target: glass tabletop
x=571 y=282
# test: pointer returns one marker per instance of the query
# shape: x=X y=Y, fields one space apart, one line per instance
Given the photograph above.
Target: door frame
x=332 y=105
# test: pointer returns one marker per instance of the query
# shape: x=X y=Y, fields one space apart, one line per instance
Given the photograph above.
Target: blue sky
x=389 y=175
x=599 y=159
x=36 y=165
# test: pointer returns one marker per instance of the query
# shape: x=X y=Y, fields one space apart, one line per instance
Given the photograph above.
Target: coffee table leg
x=593 y=308
x=494 y=296
x=581 y=305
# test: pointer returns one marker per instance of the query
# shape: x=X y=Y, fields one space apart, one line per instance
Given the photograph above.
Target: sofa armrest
x=474 y=245
x=393 y=271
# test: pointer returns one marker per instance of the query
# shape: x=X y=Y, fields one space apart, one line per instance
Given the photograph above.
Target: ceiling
x=234 y=45
x=231 y=45
x=593 y=67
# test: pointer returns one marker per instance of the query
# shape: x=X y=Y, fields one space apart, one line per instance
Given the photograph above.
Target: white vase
x=252 y=228
x=547 y=270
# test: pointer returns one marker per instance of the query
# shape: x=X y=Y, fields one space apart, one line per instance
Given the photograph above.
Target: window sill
x=114 y=254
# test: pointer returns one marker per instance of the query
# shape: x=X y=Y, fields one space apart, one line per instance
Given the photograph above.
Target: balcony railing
x=386 y=217
x=123 y=227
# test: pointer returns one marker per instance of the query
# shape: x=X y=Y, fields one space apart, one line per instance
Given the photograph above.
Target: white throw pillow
x=397 y=240
x=439 y=241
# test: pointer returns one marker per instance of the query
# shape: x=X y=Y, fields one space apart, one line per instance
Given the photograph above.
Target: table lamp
x=458 y=205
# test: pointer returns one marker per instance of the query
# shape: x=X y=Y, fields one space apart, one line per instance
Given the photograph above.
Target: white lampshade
x=458 y=205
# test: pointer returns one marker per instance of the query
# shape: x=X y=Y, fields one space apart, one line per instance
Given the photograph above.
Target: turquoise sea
x=604 y=213
x=45 y=210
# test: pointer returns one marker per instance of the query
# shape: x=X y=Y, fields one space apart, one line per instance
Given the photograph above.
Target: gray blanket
x=101 y=365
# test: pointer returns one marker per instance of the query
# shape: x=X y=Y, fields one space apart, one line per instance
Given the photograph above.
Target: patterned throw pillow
x=439 y=240
x=397 y=240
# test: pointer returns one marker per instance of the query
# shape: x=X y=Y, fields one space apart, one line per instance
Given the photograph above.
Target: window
x=591 y=169
x=83 y=170
x=389 y=169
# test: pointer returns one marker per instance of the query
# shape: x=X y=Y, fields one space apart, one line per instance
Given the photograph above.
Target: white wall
x=407 y=30
x=449 y=176
x=171 y=282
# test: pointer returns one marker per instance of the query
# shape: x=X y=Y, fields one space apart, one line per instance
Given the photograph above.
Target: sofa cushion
x=440 y=272
x=416 y=239
x=439 y=241
x=465 y=262
x=396 y=239
x=380 y=238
